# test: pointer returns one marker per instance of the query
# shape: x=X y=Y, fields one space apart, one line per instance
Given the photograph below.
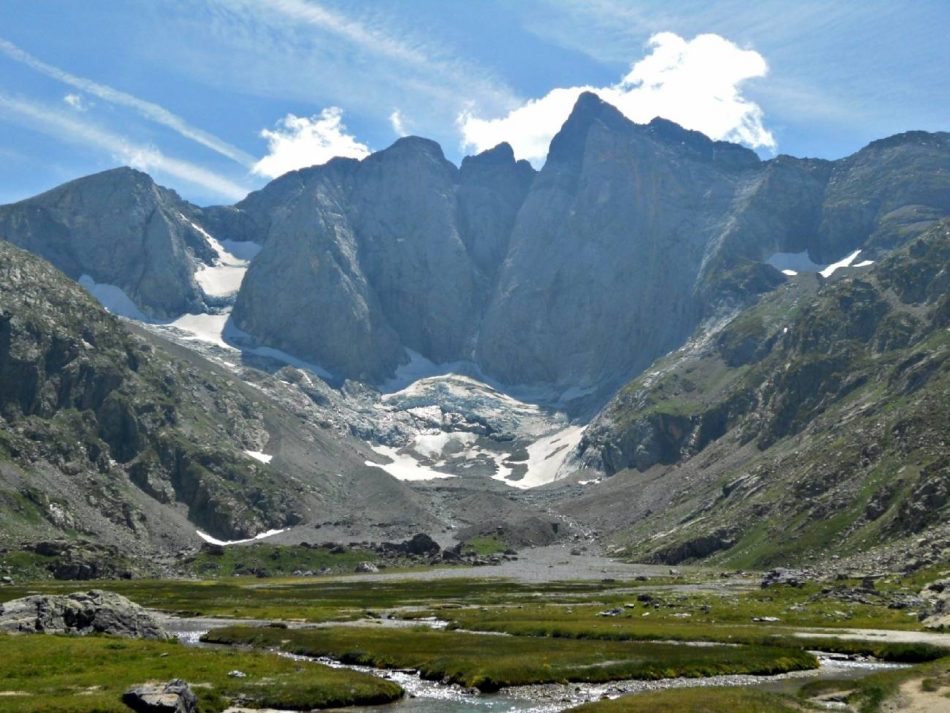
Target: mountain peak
x=589 y=109
x=415 y=144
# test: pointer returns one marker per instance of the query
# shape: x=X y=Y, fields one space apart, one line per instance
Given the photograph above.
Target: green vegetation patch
x=57 y=674
x=485 y=545
x=315 y=599
x=493 y=662
x=694 y=700
x=264 y=560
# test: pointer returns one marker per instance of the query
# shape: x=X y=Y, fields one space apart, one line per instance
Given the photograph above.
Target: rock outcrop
x=119 y=228
x=98 y=400
x=175 y=696
x=80 y=613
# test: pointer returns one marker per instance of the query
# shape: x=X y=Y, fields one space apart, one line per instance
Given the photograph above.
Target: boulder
x=93 y=612
x=422 y=544
x=789 y=577
x=172 y=697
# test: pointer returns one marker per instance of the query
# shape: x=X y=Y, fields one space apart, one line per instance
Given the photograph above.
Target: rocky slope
x=812 y=423
x=118 y=228
x=119 y=438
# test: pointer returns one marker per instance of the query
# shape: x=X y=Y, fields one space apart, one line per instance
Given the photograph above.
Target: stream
x=424 y=696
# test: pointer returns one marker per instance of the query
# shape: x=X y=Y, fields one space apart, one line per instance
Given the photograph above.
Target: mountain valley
x=650 y=340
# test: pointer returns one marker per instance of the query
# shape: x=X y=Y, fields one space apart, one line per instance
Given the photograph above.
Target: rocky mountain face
x=814 y=421
x=574 y=278
x=366 y=259
x=119 y=228
x=115 y=437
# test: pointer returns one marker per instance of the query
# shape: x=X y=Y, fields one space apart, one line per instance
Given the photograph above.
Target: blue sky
x=215 y=97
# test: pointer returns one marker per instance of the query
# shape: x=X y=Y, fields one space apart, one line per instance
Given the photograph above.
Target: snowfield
x=793 y=263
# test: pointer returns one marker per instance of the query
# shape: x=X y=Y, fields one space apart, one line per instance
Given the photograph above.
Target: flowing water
x=433 y=697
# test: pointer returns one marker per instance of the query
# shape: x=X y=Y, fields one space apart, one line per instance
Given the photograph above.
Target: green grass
x=694 y=700
x=485 y=545
x=315 y=599
x=492 y=662
x=54 y=674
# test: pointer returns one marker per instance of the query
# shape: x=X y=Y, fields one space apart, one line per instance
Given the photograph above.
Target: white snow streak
x=215 y=541
x=258 y=455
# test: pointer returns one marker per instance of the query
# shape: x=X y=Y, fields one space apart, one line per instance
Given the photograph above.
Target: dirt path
x=914 y=699
x=891 y=636
x=554 y=563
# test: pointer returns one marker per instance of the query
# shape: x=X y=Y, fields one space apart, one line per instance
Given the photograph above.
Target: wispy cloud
x=149 y=110
x=450 y=72
x=54 y=123
x=365 y=58
x=696 y=83
x=299 y=141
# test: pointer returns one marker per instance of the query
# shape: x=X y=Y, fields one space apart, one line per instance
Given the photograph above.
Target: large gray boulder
x=175 y=696
x=93 y=612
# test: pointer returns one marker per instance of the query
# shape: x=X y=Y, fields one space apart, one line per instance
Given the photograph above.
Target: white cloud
x=54 y=123
x=696 y=83
x=76 y=102
x=398 y=123
x=149 y=110
x=299 y=141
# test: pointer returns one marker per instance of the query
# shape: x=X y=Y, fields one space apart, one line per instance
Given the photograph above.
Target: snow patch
x=545 y=458
x=224 y=277
x=404 y=466
x=258 y=455
x=215 y=541
x=434 y=445
x=204 y=328
x=844 y=262
x=792 y=264
x=113 y=299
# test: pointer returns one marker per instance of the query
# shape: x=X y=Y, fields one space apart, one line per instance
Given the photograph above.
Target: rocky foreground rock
x=93 y=612
x=175 y=696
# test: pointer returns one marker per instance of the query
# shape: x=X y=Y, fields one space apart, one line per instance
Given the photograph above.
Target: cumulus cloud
x=398 y=123
x=696 y=83
x=300 y=141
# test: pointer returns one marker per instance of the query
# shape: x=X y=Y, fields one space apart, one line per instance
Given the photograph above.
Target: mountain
x=574 y=278
x=110 y=434
x=811 y=424
x=569 y=281
x=363 y=260
x=117 y=228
